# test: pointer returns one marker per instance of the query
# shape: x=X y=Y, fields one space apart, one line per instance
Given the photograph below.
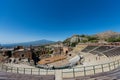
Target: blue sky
x=28 y=20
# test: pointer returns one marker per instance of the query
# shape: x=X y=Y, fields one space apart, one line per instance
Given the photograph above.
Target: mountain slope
x=34 y=43
x=108 y=34
x=103 y=36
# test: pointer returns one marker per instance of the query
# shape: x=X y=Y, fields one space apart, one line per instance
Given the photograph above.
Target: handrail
x=31 y=71
x=75 y=71
x=91 y=70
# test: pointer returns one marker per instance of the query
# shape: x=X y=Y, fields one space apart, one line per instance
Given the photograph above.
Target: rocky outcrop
x=108 y=34
x=74 y=39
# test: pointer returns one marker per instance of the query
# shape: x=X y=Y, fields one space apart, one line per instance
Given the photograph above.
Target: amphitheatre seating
x=95 y=52
x=101 y=49
x=113 y=52
x=88 y=48
x=13 y=76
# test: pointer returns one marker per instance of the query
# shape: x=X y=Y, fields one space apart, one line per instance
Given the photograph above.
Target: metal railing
x=32 y=71
x=90 y=70
x=66 y=73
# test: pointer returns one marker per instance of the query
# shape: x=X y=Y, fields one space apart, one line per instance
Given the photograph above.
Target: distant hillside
x=108 y=34
x=75 y=39
x=26 y=44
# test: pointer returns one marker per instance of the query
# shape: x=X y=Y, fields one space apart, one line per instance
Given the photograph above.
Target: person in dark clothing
x=34 y=57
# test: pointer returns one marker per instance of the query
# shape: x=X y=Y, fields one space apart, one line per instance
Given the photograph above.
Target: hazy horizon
x=56 y=20
x=53 y=40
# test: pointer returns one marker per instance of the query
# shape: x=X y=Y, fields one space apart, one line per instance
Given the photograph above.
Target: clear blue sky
x=28 y=20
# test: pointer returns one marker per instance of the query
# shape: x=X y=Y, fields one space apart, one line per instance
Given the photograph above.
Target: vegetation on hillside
x=80 y=39
x=113 y=39
x=108 y=36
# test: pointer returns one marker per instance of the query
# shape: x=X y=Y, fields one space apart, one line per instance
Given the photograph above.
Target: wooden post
x=6 y=68
x=84 y=72
x=109 y=67
x=39 y=72
x=17 y=70
x=73 y=73
x=114 y=64
x=11 y=69
x=31 y=71
x=94 y=69
x=24 y=70
x=118 y=63
x=46 y=71
x=2 y=67
x=102 y=67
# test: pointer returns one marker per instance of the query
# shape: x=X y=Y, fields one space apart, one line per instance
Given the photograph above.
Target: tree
x=73 y=44
x=84 y=41
x=34 y=57
x=9 y=53
x=82 y=35
x=92 y=39
x=113 y=39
